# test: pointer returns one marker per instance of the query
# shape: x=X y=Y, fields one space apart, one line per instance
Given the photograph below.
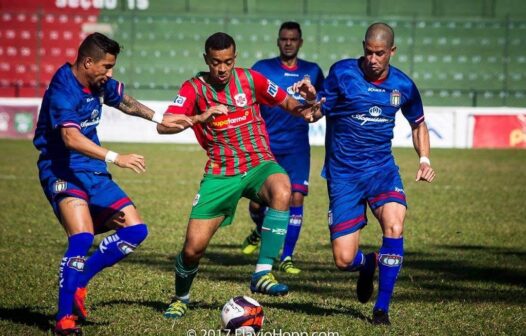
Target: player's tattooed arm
x=131 y=106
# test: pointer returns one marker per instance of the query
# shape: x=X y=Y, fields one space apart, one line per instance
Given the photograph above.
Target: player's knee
x=191 y=256
x=281 y=198
x=343 y=262
x=393 y=230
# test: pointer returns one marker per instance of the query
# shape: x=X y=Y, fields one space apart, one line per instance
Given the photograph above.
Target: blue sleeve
x=331 y=91
x=63 y=111
x=413 y=109
x=258 y=66
x=318 y=82
x=113 y=92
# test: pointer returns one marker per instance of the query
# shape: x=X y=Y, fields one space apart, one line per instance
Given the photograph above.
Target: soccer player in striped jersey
x=74 y=176
x=362 y=97
x=224 y=105
x=289 y=138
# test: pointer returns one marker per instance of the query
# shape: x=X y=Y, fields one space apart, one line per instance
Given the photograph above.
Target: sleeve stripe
x=70 y=124
x=119 y=88
x=419 y=120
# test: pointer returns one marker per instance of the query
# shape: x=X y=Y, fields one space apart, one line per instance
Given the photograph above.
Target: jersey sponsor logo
x=391 y=260
x=179 y=100
x=196 y=199
x=375 y=111
x=89 y=99
x=374 y=89
x=364 y=119
x=400 y=190
x=296 y=95
x=94 y=119
x=76 y=263
x=232 y=120
x=94 y=113
x=396 y=98
x=60 y=186
x=125 y=247
x=272 y=88
x=288 y=74
x=241 y=99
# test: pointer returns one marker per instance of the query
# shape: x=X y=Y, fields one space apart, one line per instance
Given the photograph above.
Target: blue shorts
x=297 y=166
x=348 y=199
x=104 y=196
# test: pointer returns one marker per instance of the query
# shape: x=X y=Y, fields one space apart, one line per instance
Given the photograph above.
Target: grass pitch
x=464 y=270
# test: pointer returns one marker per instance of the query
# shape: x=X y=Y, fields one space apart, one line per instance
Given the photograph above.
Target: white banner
x=449 y=127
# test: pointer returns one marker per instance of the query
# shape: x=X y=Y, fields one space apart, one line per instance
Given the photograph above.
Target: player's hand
x=313 y=113
x=179 y=121
x=133 y=161
x=305 y=88
x=425 y=173
x=212 y=112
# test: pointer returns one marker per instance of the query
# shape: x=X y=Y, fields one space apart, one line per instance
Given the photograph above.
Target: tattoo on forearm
x=131 y=106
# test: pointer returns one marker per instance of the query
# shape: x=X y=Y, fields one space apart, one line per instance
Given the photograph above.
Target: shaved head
x=380 y=32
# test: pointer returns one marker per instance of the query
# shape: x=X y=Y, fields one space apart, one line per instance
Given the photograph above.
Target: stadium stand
x=467 y=54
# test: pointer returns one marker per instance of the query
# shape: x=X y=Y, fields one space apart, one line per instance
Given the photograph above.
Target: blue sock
x=358 y=263
x=71 y=267
x=293 y=231
x=258 y=217
x=389 y=265
x=112 y=249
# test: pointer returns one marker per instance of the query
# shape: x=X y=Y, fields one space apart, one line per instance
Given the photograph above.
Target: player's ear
x=393 y=50
x=87 y=62
x=205 y=58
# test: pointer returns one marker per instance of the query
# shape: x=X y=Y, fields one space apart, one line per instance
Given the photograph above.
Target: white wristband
x=158 y=117
x=111 y=156
x=311 y=102
x=425 y=159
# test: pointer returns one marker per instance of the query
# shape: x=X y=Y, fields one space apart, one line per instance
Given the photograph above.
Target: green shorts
x=218 y=195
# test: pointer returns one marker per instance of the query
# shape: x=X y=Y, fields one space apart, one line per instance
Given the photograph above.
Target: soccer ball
x=242 y=314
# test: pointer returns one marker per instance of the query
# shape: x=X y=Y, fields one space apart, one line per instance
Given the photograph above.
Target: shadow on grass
x=315 y=310
x=28 y=316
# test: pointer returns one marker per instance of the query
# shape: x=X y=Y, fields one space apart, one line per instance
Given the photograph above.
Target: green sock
x=184 y=275
x=273 y=233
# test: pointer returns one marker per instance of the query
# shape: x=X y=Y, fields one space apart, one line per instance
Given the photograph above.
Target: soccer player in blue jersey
x=362 y=98
x=74 y=176
x=289 y=137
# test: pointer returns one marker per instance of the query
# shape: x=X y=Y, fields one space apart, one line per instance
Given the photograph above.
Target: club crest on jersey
x=391 y=260
x=196 y=199
x=179 y=100
x=76 y=263
x=396 y=98
x=59 y=186
x=272 y=88
x=241 y=99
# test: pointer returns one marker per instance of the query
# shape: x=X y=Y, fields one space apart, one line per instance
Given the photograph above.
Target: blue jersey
x=360 y=117
x=287 y=133
x=67 y=103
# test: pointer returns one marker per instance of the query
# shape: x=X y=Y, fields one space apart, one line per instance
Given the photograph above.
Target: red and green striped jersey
x=238 y=141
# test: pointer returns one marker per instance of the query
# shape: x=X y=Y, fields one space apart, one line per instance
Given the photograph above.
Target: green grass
x=464 y=271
